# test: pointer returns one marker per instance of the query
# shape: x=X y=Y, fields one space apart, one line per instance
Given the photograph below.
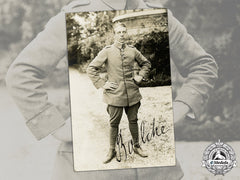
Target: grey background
x=214 y=24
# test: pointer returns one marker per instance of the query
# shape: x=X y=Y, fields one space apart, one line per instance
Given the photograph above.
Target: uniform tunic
x=120 y=62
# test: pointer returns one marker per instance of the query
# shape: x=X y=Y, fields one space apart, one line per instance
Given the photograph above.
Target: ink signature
x=127 y=147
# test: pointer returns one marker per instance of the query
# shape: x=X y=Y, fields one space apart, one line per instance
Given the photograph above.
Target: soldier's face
x=120 y=34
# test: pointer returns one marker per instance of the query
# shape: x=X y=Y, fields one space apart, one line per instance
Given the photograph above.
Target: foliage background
x=89 y=32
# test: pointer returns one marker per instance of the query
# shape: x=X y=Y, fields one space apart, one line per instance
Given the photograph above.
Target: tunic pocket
x=108 y=91
x=133 y=84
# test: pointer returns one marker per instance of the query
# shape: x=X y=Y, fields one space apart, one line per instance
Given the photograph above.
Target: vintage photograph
x=36 y=141
x=120 y=89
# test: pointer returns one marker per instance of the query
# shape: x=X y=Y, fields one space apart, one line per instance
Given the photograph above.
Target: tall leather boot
x=112 y=152
x=133 y=127
x=135 y=136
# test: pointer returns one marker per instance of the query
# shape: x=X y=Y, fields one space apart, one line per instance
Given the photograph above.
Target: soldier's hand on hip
x=180 y=111
x=138 y=78
x=64 y=132
x=110 y=85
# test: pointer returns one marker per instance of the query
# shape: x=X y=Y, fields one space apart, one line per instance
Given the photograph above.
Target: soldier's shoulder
x=131 y=46
x=75 y=4
x=107 y=47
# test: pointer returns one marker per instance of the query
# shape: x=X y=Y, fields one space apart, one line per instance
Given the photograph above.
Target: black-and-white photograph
x=36 y=136
x=120 y=89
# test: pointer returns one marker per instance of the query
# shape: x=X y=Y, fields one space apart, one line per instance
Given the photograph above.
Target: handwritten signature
x=127 y=147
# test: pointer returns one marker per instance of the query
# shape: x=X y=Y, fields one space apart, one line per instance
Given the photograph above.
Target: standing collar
x=121 y=4
x=119 y=45
x=154 y=5
x=115 y=4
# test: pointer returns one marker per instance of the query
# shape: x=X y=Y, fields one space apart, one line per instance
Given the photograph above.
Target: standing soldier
x=121 y=90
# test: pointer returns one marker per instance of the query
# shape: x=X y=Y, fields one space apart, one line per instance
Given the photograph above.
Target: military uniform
x=40 y=57
x=119 y=63
x=119 y=60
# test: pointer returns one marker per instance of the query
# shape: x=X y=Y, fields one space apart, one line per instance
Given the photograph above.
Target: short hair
x=118 y=24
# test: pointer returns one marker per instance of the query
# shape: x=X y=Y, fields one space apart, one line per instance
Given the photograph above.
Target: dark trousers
x=115 y=114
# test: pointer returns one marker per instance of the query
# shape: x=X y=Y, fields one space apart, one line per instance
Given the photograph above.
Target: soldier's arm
x=94 y=67
x=26 y=74
x=143 y=63
x=198 y=67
